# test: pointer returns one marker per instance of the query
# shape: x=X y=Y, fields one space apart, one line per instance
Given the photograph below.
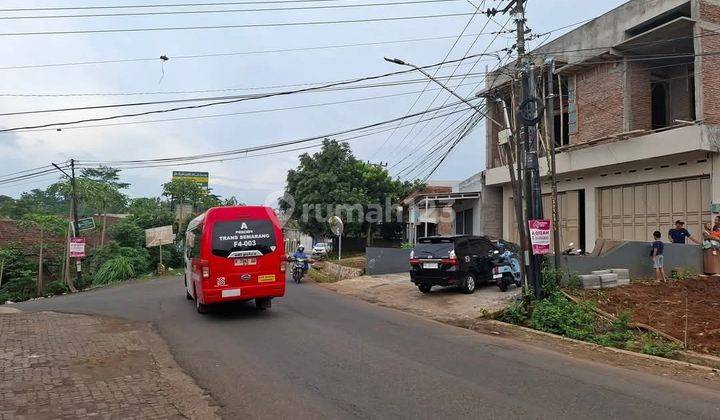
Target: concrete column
x=507 y=210
x=591 y=215
x=715 y=178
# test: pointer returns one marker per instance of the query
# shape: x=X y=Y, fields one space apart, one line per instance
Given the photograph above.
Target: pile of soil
x=663 y=306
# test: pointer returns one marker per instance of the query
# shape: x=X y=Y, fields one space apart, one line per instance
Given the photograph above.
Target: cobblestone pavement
x=55 y=365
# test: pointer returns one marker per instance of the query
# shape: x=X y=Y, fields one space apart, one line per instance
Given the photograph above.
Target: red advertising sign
x=77 y=247
x=540 y=236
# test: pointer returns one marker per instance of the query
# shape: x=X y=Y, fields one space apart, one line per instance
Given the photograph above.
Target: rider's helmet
x=300 y=248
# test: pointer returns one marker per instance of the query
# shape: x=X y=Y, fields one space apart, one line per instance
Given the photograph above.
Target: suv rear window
x=245 y=235
x=434 y=248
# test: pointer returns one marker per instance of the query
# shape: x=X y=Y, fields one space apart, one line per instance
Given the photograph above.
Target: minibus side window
x=193 y=241
x=196 y=243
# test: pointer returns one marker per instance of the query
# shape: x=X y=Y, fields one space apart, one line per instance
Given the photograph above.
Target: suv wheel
x=468 y=284
x=425 y=288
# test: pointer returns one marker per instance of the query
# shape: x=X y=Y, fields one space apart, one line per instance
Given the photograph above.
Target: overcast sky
x=253 y=180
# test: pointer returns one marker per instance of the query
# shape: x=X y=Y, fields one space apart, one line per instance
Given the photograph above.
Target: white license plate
x=230 y=293
x=245 y=261
x=497 y=276
x=433 y=266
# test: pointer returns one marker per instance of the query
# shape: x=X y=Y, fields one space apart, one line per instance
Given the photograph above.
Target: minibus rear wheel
x=201 y=307
x=263 y=304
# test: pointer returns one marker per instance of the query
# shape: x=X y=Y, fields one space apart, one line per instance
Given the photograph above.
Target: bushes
x=558 y=315
x=516 y=313
x=114 y=270
x=138 y=258
x=55 y=288
x=127 y=233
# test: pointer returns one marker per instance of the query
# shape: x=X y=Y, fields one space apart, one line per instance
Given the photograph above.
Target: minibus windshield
x=231 y=238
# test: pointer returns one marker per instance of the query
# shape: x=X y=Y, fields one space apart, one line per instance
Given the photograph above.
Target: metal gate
x=634 y=212
x=568 y=214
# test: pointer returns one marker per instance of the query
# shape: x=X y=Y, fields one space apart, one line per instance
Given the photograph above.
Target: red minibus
x=234 y=253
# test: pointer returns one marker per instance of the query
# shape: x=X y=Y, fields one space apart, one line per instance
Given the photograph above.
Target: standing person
x=716 y=226
x=679 y=233
x=656 y=253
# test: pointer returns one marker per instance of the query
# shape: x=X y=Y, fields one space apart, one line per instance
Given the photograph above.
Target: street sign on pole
x=87 y=223
x=77 y=247
x=540 y=236
x=337 y=226
x=158 y=236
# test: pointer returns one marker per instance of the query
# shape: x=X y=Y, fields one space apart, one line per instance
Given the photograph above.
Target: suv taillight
x=283 y=262
x=452 y=260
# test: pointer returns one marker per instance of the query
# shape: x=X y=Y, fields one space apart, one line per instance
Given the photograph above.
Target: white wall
x=657 y=170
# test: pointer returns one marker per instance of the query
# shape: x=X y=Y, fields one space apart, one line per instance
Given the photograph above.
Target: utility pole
x=528 y=113
x=74 y=211
x=550 y=124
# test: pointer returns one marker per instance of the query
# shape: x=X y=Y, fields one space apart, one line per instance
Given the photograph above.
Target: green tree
x=150 y=212
x=106 y=175
x=128 y=233
x=334 y=177
x=98 y=192
x=46 y=201
x=47 y=225
x=183 y=191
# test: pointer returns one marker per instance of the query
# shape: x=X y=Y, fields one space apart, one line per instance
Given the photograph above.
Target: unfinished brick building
x=638 y=127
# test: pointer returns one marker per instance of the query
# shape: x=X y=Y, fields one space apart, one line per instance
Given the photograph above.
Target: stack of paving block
x=604 y=279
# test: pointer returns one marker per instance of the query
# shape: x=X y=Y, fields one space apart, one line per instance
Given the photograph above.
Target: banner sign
x=77 y=247
x=540 y=236
x=86 y=224
x=162 y=235
x=200 y=178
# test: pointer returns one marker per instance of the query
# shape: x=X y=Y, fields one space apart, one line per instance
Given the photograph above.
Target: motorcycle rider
x=301 y=255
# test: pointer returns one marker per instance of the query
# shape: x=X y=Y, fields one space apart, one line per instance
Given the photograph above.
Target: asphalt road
x=316 y=354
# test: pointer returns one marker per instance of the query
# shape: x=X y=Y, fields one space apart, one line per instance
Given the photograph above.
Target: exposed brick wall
x=640 y=93
x=599 y=102
x=680 y=107
x=710 y=42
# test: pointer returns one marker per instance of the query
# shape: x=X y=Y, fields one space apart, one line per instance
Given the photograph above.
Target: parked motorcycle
x=572 y=251
x=298 y=269
x=506 y=269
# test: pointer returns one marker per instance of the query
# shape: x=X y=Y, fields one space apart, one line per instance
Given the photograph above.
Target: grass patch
x=319 y=276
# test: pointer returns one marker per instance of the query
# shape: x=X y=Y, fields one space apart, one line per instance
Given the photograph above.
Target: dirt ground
x=443 y=304
x=664 y=306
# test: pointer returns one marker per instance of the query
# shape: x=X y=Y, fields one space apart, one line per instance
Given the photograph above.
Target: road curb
x=712 y=365
x=4 y=310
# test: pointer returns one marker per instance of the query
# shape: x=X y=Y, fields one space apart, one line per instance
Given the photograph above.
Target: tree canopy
x=333 y=182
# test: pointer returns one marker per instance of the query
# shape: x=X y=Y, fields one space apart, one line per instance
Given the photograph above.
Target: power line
x=224 y=102
x=226 y=54
x=246 y=156
x=229 y=113
x=437 y=95
x=262 y=147
x=228 y=89
x=197 y=159
x=427 y=84
x=242 y=26
x=193 y=12
x=144 y=5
